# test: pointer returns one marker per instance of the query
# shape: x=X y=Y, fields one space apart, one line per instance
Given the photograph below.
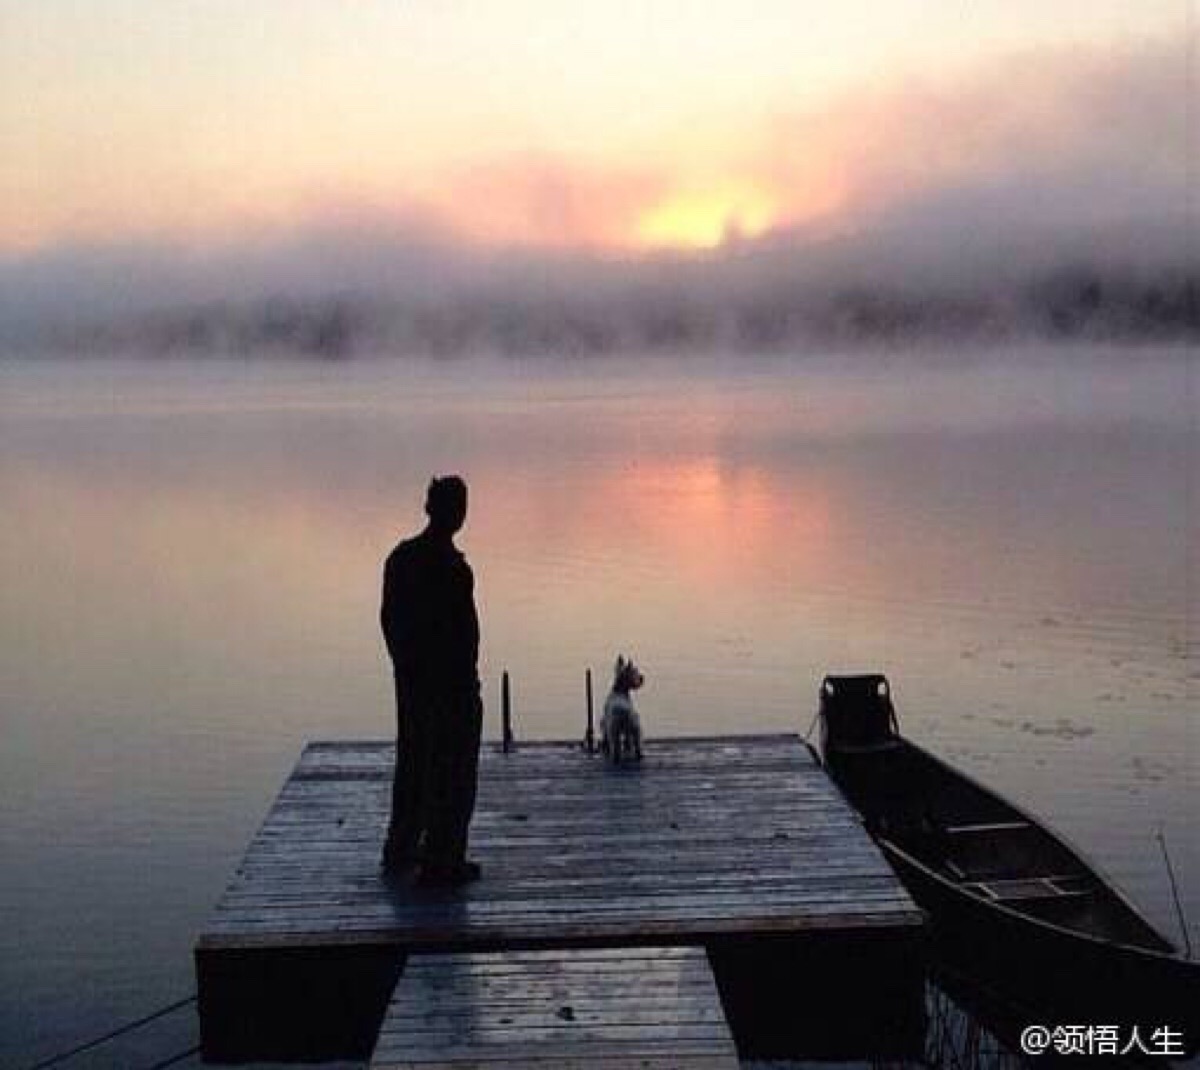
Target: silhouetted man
x=432 y=633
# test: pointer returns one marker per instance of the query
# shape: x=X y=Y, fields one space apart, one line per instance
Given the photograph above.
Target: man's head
x=446 y=503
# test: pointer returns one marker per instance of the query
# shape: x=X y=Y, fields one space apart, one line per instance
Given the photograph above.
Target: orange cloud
x=1061 y=127
x=1049 y=130
x=545 y=201
x=1085 y=128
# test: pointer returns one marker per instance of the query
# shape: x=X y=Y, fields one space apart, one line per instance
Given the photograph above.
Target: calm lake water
x=191 y=556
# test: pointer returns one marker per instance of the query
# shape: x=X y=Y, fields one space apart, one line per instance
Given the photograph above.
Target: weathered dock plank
x=652 y=1008
x=741 y=845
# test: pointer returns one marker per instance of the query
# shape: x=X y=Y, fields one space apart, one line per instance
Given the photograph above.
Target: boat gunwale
x=1169 y=952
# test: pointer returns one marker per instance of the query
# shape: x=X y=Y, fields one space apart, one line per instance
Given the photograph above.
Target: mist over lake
x=192 y=562
x=773 y=341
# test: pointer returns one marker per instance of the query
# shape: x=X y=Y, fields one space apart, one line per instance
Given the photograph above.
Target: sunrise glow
x=705 y=219
x=527 y=122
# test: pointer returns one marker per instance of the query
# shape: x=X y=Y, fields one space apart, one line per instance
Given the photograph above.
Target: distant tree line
x=1069 y=304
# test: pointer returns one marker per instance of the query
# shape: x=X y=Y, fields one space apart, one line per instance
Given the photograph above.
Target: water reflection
x=191 y=570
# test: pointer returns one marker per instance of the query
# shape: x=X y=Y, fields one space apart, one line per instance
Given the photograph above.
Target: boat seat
x=1024 y=889
x=882 y=746
x=992 y=826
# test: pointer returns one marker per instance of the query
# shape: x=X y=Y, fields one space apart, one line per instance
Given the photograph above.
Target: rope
x=812 y=724
x=128 y=1027
x=1183 y=923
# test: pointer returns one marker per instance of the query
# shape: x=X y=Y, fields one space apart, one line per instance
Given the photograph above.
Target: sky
x=618 y=126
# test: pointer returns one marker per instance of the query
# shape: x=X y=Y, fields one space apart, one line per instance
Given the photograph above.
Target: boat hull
x=1063 y=976
x=1089 y=959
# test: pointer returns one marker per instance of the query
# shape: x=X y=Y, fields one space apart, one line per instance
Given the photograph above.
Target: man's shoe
x=451 y=875
x=467 y=871
x=398 y=857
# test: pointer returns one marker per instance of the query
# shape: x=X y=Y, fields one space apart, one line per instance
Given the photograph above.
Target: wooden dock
x=588 y=1009
x=740 y=845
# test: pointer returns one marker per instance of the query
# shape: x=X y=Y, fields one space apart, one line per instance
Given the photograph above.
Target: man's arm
x=473 y=620
x=391 y=607
x=469 y=618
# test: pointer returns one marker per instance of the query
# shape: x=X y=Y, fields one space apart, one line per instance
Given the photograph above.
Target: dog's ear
x=620 y=663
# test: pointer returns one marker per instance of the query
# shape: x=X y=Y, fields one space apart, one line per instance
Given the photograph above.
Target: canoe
x=1011 y=901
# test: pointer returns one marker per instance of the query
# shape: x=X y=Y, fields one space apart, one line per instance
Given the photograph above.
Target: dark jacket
x=428 y=614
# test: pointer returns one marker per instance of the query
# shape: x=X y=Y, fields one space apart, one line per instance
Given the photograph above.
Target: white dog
x=620 y=726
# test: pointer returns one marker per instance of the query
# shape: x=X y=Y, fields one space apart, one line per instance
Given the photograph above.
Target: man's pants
x=437 y=762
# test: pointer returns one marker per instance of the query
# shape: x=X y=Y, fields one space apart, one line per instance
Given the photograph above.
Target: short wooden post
x=506 y=744
x=589 y=737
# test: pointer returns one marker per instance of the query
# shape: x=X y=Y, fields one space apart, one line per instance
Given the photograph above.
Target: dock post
x=506 y=744
x=589 y=737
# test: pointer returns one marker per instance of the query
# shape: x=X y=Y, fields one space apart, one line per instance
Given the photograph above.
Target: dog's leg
x=635 y=735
